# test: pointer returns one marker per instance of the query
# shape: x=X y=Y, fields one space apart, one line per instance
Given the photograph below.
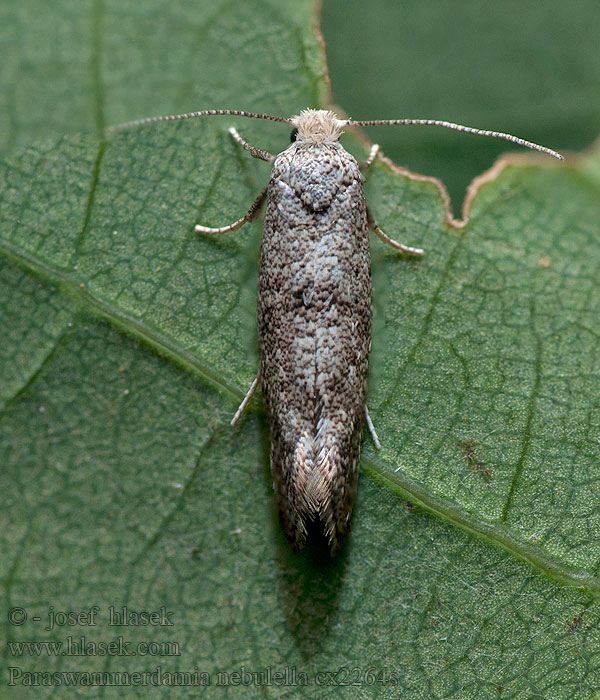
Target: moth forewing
x=314 y=329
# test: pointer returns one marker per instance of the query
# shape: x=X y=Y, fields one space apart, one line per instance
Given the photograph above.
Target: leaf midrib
x=164 y=345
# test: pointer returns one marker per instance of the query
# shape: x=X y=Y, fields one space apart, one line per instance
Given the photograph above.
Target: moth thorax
x=318 y=126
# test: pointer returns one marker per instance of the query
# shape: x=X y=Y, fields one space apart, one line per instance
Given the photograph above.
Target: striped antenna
x=349 y=122
x=191 y=115
x=456 y=127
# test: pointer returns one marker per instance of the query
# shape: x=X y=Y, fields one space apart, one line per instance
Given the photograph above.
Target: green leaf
x=129 y=341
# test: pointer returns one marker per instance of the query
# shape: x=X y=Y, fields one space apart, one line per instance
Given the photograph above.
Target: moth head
x=317 y=126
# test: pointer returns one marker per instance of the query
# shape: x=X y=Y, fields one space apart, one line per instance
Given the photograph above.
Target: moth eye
x=293 y=135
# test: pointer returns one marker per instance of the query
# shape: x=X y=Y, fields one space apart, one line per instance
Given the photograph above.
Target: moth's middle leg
x=390 y=241
x=250 y=215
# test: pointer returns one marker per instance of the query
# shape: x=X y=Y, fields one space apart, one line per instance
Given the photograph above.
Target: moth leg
x=254 y=151
x=246 y=400
x=364 y=164
x=390 y=241
x=372 y=429
x=250 y=215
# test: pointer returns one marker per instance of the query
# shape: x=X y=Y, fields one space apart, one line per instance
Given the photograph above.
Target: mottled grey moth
x=314 y=313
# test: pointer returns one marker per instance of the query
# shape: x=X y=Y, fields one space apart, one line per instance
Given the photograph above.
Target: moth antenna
x=191 y=115
x=457 y=127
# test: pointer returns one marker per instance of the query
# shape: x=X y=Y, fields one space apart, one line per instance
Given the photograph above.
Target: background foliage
x=530 y=69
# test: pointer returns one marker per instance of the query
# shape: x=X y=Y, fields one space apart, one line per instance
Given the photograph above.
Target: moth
x=314 y=312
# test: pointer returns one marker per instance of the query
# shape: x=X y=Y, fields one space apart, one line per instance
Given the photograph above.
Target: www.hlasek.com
x=81 y=646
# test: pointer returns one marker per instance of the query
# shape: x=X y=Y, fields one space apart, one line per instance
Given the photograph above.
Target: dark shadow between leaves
x=309 y=580
x=309 y=583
